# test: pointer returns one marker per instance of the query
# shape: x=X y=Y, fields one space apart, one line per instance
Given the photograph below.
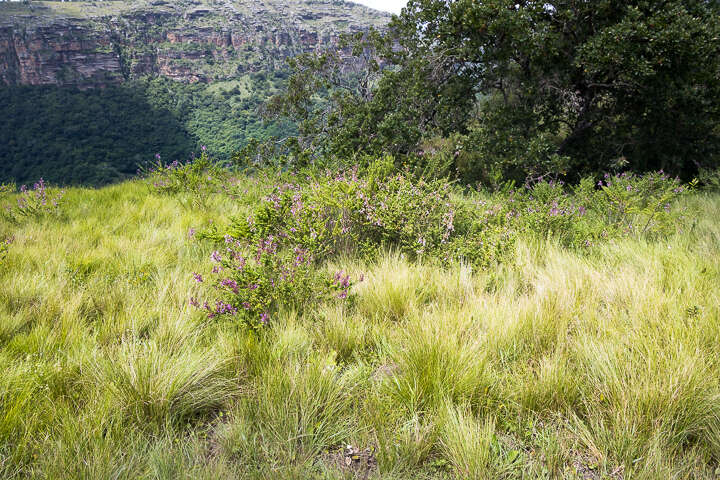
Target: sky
x=392 y=6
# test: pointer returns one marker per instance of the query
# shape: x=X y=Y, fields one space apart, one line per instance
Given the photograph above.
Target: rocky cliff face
x=89 y=44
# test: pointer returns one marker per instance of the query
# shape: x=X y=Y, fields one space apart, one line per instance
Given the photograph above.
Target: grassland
x=558 y=364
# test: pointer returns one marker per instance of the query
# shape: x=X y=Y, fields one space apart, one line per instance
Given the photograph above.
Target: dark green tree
x=528 y=87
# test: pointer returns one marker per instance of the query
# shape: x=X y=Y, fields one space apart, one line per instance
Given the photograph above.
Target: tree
x=531 y=87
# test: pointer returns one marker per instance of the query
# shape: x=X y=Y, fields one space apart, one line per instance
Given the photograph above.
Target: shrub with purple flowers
x=254 y=281
x=4 y=247
x=618 y=205
x=343 y=212
x=273 y=258
x=629 y=204
x=193 y=182
x=34 y=202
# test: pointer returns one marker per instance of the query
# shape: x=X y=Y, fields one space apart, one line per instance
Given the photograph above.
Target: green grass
x=557 y=365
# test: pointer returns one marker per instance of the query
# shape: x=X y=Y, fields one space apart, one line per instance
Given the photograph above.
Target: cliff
x=90 y=44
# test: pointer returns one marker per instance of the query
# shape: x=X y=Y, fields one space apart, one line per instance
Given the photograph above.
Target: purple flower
x=264 y=318
x=191 y=233
x=230 y=283
x=222 y=308
x=157 y=156
x=203 y=148
x=194 y=302
x=215 y=256
x=198 y=277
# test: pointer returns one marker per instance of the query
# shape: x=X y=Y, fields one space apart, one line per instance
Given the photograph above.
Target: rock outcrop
x=92 y=44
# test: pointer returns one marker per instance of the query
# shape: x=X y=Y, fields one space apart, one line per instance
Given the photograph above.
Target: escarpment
x=94 y=44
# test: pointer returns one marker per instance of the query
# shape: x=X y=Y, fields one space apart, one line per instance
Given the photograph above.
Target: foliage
x=255 y=282
x=99 y=136
x=193 y=181
x=623 y=205
x=635 y=205
x=558 y=363
x=83 y=136
x=527 y=88
x=31 y=203
x=4 y=247
x=343 y=212
x=710 y=179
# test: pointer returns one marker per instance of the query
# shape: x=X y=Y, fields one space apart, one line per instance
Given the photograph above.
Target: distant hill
x=142 y=77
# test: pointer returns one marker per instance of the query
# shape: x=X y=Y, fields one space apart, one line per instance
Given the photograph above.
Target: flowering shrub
x=195 y=181
x=33 y=202
x=4 y=245
x=619 y=205
x=254 y=281
x=627 y=204
x=272 y=259
x=342 y=213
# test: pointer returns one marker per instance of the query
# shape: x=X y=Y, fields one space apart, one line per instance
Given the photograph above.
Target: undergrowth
x=583 y=344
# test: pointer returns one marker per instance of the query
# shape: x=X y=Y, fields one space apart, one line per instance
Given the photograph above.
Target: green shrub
x=254 y=281
x=272 y=259
x=194 y=182
x=32 y=203
x=628 y=204
x=617 y=206
x=4 y=246
x=710 y=179
x=342 y=213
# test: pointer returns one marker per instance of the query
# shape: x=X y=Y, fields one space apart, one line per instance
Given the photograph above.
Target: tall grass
x=601 y=363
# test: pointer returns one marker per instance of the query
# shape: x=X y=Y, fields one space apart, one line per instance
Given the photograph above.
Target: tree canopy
x=517 y=88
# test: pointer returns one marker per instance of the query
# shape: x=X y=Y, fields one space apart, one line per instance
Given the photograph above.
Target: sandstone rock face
x=101 y=43
x=58 y=54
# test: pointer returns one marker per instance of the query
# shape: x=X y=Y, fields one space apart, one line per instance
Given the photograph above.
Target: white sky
x=392 y=6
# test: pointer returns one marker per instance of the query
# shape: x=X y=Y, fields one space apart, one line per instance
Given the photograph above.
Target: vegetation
x=94 y=137
x=338 y=305
x=513 y=89
x=563 y=360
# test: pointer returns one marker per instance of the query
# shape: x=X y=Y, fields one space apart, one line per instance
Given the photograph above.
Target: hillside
x=90 y=44
x=92 y=90
x=558 y=363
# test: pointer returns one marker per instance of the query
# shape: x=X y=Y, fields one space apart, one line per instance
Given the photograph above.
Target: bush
x=710 y=179
x=616 y=206
x=254 y=281
x=4 y=246
x=194 y=181
x=343 y=213
x=273 y=258
x=31 y=203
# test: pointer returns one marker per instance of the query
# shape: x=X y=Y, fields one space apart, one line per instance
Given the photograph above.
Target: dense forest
x=97 y=136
